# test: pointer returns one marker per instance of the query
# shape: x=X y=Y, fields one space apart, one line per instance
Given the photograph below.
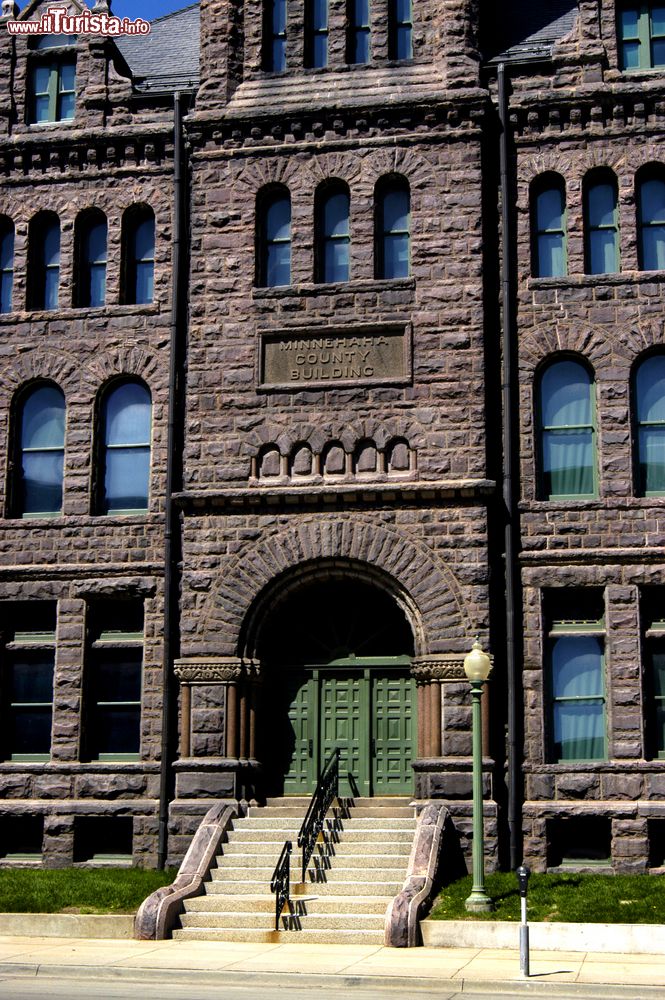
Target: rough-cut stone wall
x=78 y=557
x=615 y=543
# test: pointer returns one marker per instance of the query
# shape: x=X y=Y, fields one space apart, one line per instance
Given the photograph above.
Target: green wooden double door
x=367 y=712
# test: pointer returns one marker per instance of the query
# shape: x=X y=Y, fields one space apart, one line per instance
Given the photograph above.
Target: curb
x=108 y=926
x=536 y=987
x=629 y=939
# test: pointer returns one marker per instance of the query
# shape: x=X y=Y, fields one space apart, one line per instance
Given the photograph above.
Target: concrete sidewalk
x=463 y=969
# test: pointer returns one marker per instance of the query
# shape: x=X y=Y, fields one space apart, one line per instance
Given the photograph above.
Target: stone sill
x=76 y=312
x=596 y=280
x=62 y=521
x=596 y=503
x=89 y=806
x=334 y=288
x=329 y=493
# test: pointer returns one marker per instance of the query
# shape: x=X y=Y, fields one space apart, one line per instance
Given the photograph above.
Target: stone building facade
x=311 y=241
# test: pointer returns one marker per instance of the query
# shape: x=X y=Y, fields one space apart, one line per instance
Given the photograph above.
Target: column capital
x=209 y=669
x=442 y=667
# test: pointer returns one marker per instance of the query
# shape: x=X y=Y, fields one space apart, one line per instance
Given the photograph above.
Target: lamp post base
x=478 y=902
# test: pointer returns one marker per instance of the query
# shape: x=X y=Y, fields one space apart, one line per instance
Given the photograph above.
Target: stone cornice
x=605 y=111
x=445 y=667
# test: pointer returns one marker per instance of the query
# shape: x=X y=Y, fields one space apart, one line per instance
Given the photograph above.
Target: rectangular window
x=104 y=840
x=358 y=39
x=274 y=36
x=53 y=90
x=641 y=30
x=316 y=34
x=653 y=651
x=576 y=669
x=400 y=29
x=21 y=838
x=28 y=629
x=113 y=680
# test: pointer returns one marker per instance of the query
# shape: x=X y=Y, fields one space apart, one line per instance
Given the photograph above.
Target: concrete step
x=366 y=823
x=389 y=856
x=254 y=903
x=361 y=921
x=349 y=834
x=350 y=887
x=249 y=934
x=338 y=849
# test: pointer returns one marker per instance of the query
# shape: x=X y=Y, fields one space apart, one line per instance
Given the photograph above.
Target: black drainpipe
x=510 y=481
x=172 y=541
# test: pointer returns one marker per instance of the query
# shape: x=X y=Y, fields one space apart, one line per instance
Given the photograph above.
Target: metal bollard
x=523 y=879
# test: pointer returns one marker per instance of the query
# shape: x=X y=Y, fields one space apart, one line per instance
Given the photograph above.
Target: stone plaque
x=365 y=355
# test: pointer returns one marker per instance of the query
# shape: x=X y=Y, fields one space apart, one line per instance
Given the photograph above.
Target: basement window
x=656 y=835
x=579 y=842
x=21 y=838
x=103 y=840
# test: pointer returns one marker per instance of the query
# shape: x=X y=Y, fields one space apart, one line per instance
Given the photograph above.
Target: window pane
x=396 y=211
x=118 y=675
x=653 y=248
x=319 y=14
x=579 y=731
x=126 y=480
x=145 y=274
x=361 y=47
x=96 y=242
x=279 y=16
x=6 y=249
x=67 y=76
x=658 y=663
x=652 y=201
x=628 y=23
x=97 y=285
x=278 y=220
x=402 y=10
x=43 y=419
x=336 y=261
x=51 y=41
x=41 y=77
x=566 y=395
x=42 y=482
x=650 y=385
x=631 y=55
x=30 y=730
x=6 y=286
x=549 y=210
x=658 y=20
x=31 y=678
x=320 y=51
x=658 y=53
x=361 y=12
x=396 y=257
x=117 y=729
x=568 y=463
x=52 y=245
x=603 y=251
x=577 y=667
x=278 y=55
x=602 y=204
x=336 y=215
x=551 y=255
x=144 y=240
x=128 y=415
x=651 y=445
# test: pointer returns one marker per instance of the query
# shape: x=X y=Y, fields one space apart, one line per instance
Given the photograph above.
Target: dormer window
x=641 y=29
x=52 y=79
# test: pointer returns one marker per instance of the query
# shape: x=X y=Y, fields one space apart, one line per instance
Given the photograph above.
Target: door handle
x=372 y=746
x=310 y=748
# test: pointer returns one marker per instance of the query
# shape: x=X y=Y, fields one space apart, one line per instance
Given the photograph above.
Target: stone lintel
x=214 y=669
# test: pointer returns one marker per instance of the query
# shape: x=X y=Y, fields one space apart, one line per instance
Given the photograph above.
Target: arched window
x=316 y=33
x=567 y=433
x=274 y=36
x=400 y=29
x=43 y=261
x=6 y=263
x=651 y=221
x=138 y=227
x=548 y=227
x=392 y=229
x=91 y=239
x=126 y=418
x=358 y=32
x=333 y=238
x=601 y=220
x=52 y=79
x=649 y=408
x=40 y=452
x=274 y=239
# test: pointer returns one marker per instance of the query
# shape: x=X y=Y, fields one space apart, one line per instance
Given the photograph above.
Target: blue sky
x=147 y=9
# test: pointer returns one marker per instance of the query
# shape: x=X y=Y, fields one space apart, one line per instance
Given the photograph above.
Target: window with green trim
x=649 y=423
x=548 y=227
x=28 y=630
x=124 y=464
x=641 y=31
x=114 y=667
x=567 y=435
x=576 y=669
x=52 y=79
x=601 y=222
x=653 y=652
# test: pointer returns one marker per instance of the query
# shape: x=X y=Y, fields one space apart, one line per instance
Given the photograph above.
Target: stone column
x=186 y=720
x=431 y=672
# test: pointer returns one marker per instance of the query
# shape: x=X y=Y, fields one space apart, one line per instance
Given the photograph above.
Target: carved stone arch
x=255 y=439
x=591 y=343
x=130 y=361
x=254 y=176
x=52 y=365
x=309 y=434
x=335 y=167
x=597 y=159
x=642 y=337
x=430 y=584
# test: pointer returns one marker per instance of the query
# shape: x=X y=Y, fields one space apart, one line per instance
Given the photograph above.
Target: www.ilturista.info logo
x=56 y=21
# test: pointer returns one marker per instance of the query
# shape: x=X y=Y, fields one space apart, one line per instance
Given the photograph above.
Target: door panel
x=393 y=699
x=291 y=753
x=344 y=712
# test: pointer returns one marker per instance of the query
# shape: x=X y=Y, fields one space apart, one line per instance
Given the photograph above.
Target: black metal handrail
x=280 y=883
x=327 y=789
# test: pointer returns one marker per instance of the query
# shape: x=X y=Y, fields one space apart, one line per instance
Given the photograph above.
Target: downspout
x=173 y=478
x=509 y=480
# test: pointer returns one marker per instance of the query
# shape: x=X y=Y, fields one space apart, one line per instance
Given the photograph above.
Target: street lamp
x=477 y=666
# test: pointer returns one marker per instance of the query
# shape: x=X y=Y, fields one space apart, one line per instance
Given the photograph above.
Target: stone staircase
x=352 y=876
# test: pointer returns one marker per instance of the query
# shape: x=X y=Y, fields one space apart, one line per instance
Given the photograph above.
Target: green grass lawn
x=607 y=899
x=78 y=890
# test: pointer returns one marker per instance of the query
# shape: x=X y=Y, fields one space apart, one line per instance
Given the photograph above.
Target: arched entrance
x=335 y=657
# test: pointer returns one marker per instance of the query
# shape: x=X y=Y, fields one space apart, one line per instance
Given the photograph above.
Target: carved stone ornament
x=443 y=667
x=212 y=669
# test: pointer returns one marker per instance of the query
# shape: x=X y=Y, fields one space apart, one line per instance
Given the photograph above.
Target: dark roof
x=527 y=29
x=167 y=58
